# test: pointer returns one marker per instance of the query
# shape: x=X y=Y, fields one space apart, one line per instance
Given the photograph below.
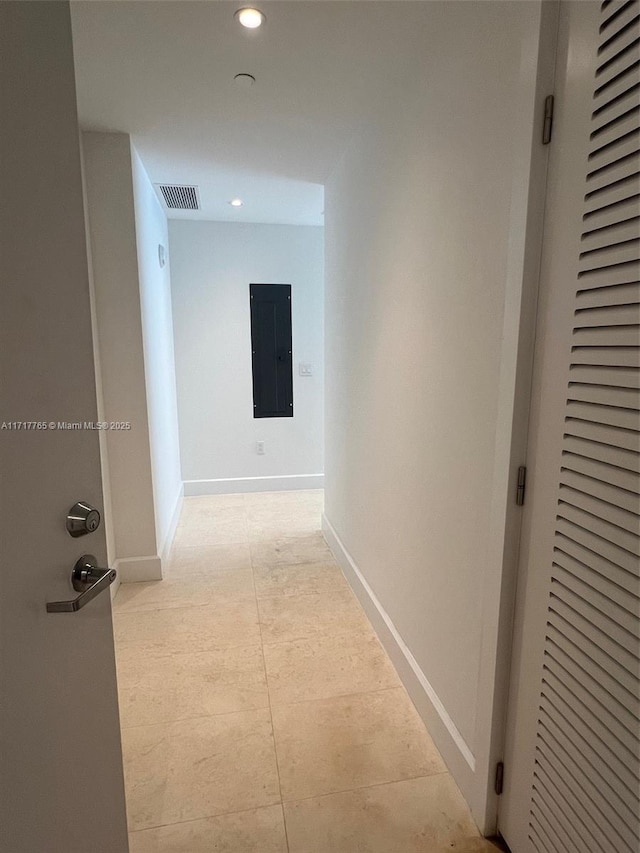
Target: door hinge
x=548 y=119
x=499 y=783
x=522 y=484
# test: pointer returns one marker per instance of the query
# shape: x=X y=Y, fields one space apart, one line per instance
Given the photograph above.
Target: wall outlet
x=305 y=369
x=260 y=448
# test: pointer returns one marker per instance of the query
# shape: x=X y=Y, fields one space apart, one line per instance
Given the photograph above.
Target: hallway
x=258 y=710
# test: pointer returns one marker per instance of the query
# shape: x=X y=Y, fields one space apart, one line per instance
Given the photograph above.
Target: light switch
x=305 y=369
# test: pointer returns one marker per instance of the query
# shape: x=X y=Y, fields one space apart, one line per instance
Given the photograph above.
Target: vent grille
x=585 y=786
x=180 y=197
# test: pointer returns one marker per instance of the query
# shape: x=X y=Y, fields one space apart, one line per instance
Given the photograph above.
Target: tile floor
x=259 y=712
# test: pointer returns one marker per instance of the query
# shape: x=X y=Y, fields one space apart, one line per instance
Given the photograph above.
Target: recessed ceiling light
x=236 y=202
x=250 y=18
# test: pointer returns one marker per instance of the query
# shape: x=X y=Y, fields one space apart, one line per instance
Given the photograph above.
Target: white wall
x=425 y=219
x=159 y=362
x=134 y=334
x=212 y=265
x=118 y=321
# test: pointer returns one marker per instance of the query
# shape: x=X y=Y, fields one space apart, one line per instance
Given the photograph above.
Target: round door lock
x=82 y=518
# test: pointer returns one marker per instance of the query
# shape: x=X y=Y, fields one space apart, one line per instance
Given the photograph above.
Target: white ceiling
x=163 y=72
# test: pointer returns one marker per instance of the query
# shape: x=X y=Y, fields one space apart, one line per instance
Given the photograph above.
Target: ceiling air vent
x=178 y=197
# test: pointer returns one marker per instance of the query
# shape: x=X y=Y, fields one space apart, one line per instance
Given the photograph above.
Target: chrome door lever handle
x=88 y=580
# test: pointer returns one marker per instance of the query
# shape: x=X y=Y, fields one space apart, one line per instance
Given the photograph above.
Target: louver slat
x=596 y=238
x=546 y=828
x=621 y=294
x=617 y=170
x=617 y=98
x=615 y=192
x=593 y=374
x=585 y=551
x=622 y=252
x=617 y=356
x=617 y=86
x=610 y=811
x=591 y=666
x=604 y=603
x=623 y=358
x=618 y=37
x=596 y=626
x=549 y=787
x=609 y=69
x=597 y=316
x=615 y=107
x=624 y=418
x=609 y=132
x=608 y=275
x=623 y=460
x=600 y=156
x=599 y=470
x=600 y=651
x=585 y=678
x=607 y=336
x=610 y=216
x=573 y=774
x=619 y=17
x=591 y=734
x=626 y=601
x=603 y=434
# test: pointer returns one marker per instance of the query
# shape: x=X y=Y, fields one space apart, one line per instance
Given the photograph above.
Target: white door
x=572 y=757
x=61 y=775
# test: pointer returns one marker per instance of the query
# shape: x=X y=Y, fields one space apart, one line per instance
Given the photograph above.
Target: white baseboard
x=455 y=751
x=137 y=569
x=237 y=485
x=173 y=524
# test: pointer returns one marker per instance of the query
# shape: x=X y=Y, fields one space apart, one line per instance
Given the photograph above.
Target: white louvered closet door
x=572 y=755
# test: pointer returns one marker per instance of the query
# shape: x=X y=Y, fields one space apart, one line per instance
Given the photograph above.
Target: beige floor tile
x=294 y=617
x=199 y=517
x=217 y=588
x=281 y=509
x=256 y=831
x=296 y=515
x=358 y=771
x=307 y=548
x=298 y=497
x=265 y=530
x=213 y=532
x=327 y=666
x=425 y=815
x=349 y=742
x=189 y=629
x=199 y=768
x=194 y=559
x=298 y=580
x=316 y=495
x=206 y=503
x=157 y=688
x=261 y=499
x=312 y=501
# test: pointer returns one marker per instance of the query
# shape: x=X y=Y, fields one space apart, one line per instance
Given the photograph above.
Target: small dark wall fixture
x=271 y=350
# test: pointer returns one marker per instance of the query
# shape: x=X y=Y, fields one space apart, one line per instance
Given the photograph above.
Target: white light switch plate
x=305 y=369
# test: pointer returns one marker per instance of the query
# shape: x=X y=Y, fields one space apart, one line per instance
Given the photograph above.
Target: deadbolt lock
x=82 y=518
